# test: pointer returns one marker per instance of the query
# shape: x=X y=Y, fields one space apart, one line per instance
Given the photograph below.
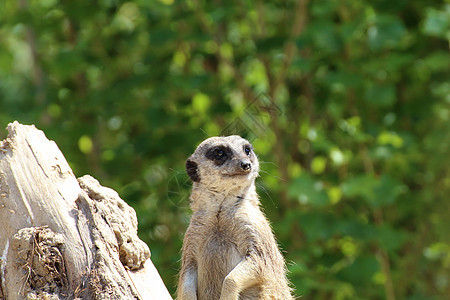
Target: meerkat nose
x=246 y=165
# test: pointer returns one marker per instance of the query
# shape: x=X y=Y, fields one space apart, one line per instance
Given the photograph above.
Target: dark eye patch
x=219 y=154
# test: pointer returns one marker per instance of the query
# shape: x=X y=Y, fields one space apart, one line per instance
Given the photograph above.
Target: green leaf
x=387 y=190
x=387 y=32
x=375 y=191
x=360 y=186
x=270 y=43
x=380 y=95
x=317 y=226
x=344 y=78
x=85 y=144
x=161 y=36
x=437 y=23
x=390 y=238
x=318 y=164
x=390 y=138
x=325 y=36
x=360 y=271
x=308 y=191
x=200 y=103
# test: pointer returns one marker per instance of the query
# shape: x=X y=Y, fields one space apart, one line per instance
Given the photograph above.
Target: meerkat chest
x=226 y=233
x=221 y=244
x=219 y=255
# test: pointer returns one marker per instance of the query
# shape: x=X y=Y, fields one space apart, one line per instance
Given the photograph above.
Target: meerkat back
x=229 y=251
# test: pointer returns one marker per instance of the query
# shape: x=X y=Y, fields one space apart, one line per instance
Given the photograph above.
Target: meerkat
x=229 y=251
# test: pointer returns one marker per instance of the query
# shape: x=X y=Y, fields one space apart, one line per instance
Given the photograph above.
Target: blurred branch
x=381 y=253
x=275 y=81
x=261 y=19
x=218 y=38
x=300 y=20
x=366 y=160
x=38 y=74
x=305 y=83
x=383 y=257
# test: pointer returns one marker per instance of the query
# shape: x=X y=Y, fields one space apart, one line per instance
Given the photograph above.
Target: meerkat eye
x=247 y=150
x=220 y=152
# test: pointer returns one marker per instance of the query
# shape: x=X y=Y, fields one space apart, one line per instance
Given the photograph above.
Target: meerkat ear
x=192 y=170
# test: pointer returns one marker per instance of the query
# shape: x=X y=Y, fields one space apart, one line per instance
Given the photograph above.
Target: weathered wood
x=63 y=238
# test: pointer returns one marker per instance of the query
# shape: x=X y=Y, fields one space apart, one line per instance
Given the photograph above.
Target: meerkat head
x=223 y=163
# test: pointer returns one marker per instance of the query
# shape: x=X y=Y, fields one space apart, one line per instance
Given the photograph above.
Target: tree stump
x=62 y=237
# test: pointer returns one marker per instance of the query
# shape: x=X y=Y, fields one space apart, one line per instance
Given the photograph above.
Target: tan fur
x=229 y=250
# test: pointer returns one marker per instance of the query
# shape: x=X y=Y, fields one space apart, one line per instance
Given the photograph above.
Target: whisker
x=265 y=172
x=267 y=193
x=268 y=162
x=204 y=131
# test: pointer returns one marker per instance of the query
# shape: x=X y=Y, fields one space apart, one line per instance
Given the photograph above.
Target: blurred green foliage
x=346 y=102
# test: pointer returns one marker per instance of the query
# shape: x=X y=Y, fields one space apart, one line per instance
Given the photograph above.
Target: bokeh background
x=346 y=102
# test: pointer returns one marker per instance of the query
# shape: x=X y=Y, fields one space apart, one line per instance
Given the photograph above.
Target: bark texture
x=62 y=237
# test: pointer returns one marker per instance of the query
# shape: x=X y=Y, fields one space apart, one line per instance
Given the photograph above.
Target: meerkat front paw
x=229 y=289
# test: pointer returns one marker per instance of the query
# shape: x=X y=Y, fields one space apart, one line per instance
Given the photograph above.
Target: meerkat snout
x=246 y=166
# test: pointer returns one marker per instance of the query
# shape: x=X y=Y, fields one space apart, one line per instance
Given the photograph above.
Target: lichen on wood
x=39 y=256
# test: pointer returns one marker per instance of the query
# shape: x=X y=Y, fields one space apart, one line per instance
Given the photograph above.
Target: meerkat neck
x=211 y=200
